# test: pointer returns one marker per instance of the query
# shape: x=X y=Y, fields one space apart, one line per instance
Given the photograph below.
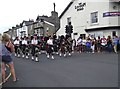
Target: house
x=43 y=28
x=91 y=17
x=45 y=25
x=12 y=32
x=25 y=28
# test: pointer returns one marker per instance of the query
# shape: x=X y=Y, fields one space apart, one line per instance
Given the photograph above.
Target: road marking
x=6 y=77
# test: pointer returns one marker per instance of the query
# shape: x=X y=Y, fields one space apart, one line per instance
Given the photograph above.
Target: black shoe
x=37 y=61
x=15 y=80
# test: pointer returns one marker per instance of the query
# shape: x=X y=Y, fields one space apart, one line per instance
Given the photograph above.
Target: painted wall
x=81 y=20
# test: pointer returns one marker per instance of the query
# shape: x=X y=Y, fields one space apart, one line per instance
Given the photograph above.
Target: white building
x=23 y=29
x=19 y=30
x=91 y=17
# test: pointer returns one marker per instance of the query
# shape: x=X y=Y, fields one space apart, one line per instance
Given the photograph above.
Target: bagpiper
x=50 y=48
x=17 y=46
x=35 y=49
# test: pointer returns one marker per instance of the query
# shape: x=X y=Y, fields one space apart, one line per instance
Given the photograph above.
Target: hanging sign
x=108 y=14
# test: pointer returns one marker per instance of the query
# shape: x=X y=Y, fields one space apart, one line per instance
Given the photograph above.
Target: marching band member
x=50 y=48
x=24 y=45
x=55 y=43
x=69 y=45
x=16 y=46
x=35 y=50
x=63 y=47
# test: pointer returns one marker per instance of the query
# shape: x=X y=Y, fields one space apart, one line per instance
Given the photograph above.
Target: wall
x=81 y=20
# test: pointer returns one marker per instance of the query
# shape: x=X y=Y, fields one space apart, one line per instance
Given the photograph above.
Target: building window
x=75 y=33
x=94 y=17
x=68 y=20
x=83 y=35
x=114 y=33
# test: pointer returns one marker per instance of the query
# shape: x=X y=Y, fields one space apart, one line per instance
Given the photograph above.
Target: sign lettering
x=80 y=6
x=108 y=14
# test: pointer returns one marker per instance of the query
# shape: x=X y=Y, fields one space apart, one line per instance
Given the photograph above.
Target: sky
x=13 y=12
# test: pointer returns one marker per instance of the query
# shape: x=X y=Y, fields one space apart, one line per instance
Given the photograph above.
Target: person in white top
x=79 y=45
x=16 y=46
x=50 y=47
x=84 y=44
x=74 y=45
x=103 y=43
x=93 y=42
x=24 y=45
x=35 y=49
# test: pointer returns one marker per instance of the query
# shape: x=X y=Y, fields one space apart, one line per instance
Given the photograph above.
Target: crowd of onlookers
x=97 y=44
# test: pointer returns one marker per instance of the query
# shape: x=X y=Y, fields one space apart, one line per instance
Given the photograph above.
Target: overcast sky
x=13 y=12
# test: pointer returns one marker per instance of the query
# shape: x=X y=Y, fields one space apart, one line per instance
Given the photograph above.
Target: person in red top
x=103 y=43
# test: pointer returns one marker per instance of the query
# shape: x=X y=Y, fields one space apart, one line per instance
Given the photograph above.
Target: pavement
x=78 y=70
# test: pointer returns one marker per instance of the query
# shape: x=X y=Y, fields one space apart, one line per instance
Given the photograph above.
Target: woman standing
x=99 y=45
x=7 y=49
x=93 y=41
x=109 y=44
x=115 y=43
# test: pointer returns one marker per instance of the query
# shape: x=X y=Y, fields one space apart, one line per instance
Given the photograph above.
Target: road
x=79 y=70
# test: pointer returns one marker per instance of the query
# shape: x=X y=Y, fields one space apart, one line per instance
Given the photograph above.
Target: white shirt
x=50 y=42
x=104 y=41
x=84 y=42
x=24 y=42
x=79 y=42
x=16 y=42
x=34 y=42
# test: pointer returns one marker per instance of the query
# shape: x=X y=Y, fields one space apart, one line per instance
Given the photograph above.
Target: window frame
x=68 y=20
x=94 y=17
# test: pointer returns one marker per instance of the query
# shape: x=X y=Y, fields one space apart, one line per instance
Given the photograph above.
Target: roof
x=45 y=18
x=66 y=8
x=6 y=31
x=44 y=22
x=49 y=23
x=27 y=23
x=50 y=20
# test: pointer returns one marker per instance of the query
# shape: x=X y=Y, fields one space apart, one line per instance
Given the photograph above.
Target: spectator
x=7 y=49
x=99 y=45
x=93 y=45
x=118 y=44
x=109 y=44
x=115 y=43
x=84 y=44
x=79 y=45
x=74 y=45
x=103 y=43
x=88 y=45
